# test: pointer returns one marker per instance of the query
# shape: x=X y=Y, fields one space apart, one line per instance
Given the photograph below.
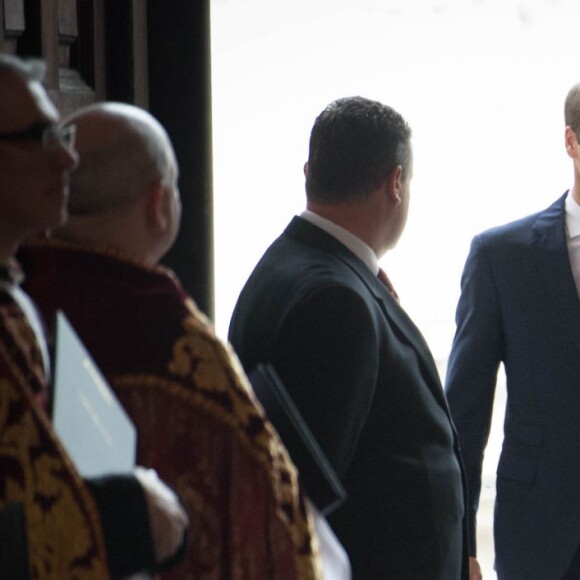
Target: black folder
x=13 y=545
x=318 y=476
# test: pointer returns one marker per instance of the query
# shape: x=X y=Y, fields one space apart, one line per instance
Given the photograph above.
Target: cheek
x=35 y=209
x=32 y=195
x=24 y=172
x=9 y=177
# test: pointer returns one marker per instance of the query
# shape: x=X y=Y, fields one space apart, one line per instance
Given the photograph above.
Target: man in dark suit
x=519 y=305
x=355 y=364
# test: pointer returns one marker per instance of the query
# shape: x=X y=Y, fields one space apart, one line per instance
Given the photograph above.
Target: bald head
x=124 y=152
x=124 y=194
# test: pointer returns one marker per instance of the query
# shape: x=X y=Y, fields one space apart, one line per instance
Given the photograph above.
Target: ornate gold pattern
x=63 y=528
x=217 y=387
x=201 y=427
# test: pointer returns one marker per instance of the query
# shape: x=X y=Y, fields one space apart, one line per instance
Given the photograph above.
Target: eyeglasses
x=49 y=135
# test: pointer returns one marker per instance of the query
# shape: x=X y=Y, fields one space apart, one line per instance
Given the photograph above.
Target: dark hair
x=572 y=109
x=354 y=144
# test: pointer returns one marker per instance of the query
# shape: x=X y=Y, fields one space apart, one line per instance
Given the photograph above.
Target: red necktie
x=382 y=276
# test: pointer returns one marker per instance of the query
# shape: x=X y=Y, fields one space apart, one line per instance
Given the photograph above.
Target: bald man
x=198 y=422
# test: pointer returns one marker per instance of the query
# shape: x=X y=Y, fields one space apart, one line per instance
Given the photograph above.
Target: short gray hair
x=31 y=69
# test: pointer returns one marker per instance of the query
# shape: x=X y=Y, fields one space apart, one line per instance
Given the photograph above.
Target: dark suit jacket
x=365 y=381
x=519 y=306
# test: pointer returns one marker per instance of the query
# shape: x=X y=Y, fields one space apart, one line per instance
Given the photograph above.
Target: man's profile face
x=33 y=178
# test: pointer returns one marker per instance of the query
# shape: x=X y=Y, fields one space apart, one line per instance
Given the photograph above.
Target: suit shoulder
x=518 y=231
x=291 y=281
x=509 y=231
x=300 y=268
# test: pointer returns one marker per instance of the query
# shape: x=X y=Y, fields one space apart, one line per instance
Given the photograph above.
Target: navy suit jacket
x=365 y=381
x=519 y=305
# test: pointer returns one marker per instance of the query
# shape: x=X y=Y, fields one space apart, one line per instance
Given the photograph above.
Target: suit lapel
x=397 y=317
x=408 y=331
x=552 y=264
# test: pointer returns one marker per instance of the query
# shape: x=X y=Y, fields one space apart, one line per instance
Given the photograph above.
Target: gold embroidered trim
x=266 y=449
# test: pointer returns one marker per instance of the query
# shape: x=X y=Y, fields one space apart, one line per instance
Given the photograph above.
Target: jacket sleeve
x=477 y=351
x=326 y=354
x=121 y=503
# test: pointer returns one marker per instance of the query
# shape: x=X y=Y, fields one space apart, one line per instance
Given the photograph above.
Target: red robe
x=199 y=424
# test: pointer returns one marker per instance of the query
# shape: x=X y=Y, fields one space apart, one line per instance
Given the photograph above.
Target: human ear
x=571 y=143
x=394 y=183
x=157 y=207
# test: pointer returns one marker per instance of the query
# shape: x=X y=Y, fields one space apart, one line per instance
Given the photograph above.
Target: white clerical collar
x=572 y=216
x=352 y=242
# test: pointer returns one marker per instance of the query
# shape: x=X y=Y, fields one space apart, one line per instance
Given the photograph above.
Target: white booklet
x=96 y=431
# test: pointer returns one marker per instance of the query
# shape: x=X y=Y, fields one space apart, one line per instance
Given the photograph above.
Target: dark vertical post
x=12 y=24
x=119 y=57
x=180 y=98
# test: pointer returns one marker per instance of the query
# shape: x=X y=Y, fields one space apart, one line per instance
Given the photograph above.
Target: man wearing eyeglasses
x=70 y=528
x=37 y=158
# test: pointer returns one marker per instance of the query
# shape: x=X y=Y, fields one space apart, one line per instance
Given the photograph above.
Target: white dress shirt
x=352 y=242
x=572 y=210
x=334 y=559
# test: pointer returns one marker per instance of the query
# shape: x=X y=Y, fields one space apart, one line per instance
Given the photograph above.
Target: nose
x=64 y=157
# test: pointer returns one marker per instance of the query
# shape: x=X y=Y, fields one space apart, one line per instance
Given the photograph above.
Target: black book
x=13 y=544
x=318 y=477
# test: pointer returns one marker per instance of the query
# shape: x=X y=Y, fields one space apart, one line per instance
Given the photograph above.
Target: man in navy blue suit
x=520 y=305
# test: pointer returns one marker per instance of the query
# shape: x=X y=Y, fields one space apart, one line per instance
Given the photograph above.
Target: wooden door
x=69 y=36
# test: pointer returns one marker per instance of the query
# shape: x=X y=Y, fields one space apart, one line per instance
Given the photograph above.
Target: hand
x=334 y=559
x=474 y=569
x=167 y=517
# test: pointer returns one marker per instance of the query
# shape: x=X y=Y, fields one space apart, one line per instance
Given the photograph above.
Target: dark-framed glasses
x=48 y=134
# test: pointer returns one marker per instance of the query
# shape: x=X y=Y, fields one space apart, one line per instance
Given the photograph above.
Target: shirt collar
x=572 y=216
x=11 y=274
x=352 y=242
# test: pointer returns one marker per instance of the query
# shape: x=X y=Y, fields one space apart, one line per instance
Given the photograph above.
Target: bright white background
x=482 y=84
